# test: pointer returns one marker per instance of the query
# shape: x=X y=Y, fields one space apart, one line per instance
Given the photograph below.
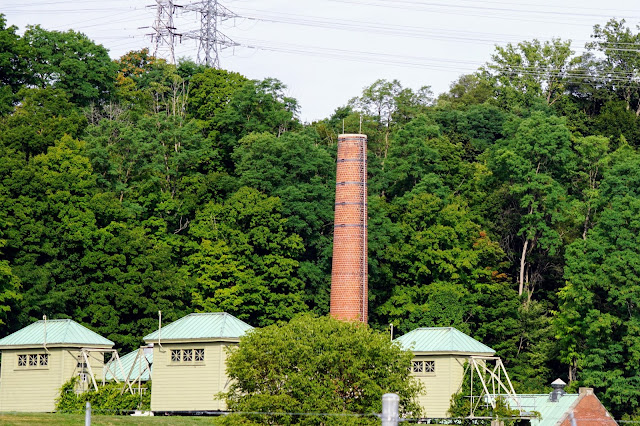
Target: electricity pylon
x=210 y=39
x=165 y=31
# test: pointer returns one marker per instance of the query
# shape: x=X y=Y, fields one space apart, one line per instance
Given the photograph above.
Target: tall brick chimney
x=349 y=269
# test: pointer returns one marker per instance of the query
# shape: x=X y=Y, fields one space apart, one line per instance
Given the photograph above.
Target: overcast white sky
x=327 y=51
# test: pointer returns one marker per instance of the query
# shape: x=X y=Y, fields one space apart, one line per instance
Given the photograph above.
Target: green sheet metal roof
x=550 y=412
x=127 y=361
x=61 y=332
x=217 y=325
x=442 y=340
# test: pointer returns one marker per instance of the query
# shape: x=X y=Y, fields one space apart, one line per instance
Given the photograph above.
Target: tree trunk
x=573 y=370
x=522 y=265
x=386 y=148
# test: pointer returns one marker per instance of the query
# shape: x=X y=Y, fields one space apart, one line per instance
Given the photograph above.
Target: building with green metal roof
x=201 y=326
x=136 y=365
x=444 y=340
x=584 y=408
x=189 y=361
x=39 y=358
x=54 y=333
x=439 y=357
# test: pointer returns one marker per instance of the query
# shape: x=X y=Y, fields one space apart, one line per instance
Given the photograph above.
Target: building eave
x=53 y=346
x=453 y=353
x=195 y=340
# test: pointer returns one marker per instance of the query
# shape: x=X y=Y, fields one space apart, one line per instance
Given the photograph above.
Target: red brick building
x=565 y=409
x=587 y=410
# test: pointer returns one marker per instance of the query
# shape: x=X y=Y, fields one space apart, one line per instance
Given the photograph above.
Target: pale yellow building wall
x=73 y=368
x=440 y=385
x=35 y=389
x=178 y=386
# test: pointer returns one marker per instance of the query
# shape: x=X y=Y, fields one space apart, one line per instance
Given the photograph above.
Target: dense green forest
x=508 y=207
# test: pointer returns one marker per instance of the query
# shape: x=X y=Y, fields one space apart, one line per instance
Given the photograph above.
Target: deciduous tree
x=13 y=65
x=301 y=173
x=598 y=323
x=534 y=163
x=246 y=261
x=619 y=68
x=318 y=365
x=72 y=62
x=532 y=69
x=441 y=261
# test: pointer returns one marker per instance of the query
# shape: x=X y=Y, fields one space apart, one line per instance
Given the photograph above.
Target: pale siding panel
x=96 y=360
x=70 y=363
x=30 y=390
x=440 y=387
x=71 y=369
x=36 y=390
x=188 y=387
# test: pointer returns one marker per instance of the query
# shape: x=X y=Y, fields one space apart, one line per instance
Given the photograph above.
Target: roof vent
x=558 y=390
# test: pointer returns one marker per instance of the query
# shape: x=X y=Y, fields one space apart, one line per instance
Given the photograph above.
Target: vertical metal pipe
x=390 y=409
x=87 y=414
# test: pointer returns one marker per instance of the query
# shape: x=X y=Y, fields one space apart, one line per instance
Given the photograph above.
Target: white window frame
x=423 y=367
x=187 y=356
x=32 y=361
x=198 y=355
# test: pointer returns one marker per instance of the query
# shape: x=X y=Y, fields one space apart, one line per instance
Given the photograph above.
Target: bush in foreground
x=317 y=365
x=108 y=399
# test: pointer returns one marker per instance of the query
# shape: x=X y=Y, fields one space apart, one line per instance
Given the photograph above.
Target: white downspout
x=44 y=344
x=160 y=330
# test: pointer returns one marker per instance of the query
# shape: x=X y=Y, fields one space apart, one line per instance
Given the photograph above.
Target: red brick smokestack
x=349 y=270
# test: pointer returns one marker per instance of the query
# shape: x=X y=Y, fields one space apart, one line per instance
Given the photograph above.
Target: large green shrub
x=108 y=399
x=317 y=371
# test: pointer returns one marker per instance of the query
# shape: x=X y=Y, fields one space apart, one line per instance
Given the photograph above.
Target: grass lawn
x=55 y=419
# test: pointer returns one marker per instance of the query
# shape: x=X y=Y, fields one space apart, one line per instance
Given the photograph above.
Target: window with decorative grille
x=187 y=356
x=199 y=355
x=423 y=367
x=33 y=360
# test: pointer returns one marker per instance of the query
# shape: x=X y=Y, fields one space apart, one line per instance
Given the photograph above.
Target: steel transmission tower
x=165 y=31
x=210 y=39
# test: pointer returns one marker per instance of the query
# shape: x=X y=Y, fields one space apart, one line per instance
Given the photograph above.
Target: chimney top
x=585 y=391
x=352 y=135
x=558 y=390
x=558 y=382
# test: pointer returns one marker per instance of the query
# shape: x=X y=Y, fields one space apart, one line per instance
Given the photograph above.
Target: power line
x=211 y=41
x=439 y=64
x=408 y=4
x=378 y=28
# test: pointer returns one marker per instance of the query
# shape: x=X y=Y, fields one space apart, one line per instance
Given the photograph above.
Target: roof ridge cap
x=224 y=321
x=435 y=328
x=64 y=335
